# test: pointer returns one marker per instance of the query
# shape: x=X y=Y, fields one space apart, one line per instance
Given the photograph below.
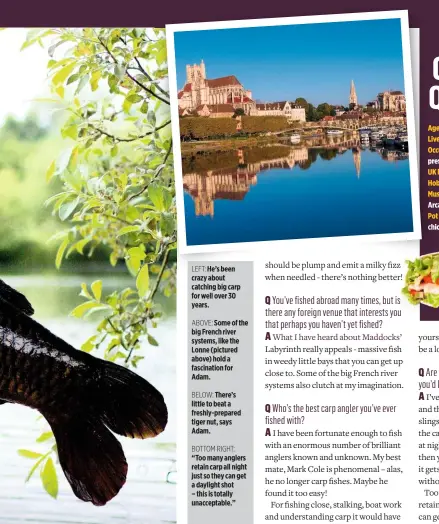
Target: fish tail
x=91 y=457
x=128 y=404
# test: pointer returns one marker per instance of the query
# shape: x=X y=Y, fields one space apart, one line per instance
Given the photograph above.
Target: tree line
x=193 y=128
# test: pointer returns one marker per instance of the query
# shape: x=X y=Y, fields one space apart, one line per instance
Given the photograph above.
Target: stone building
x=288 y=109
x=215 y=110
x=200 y=90
x=393 y=101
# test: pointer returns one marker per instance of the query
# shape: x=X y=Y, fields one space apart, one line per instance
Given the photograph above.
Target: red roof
x=216 y=82
x=217 y=108
x=237 y=99
x=180 y=94
x=223 y=81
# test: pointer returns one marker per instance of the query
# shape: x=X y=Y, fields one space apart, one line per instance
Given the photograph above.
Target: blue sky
x=314 y=61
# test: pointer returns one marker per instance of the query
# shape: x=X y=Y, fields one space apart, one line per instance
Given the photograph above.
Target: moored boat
x=334 y=132
x=402 y=141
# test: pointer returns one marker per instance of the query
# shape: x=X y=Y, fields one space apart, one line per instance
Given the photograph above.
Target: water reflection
x=230 y=175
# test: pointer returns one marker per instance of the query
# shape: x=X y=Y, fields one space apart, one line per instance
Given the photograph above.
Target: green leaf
x=89 y=345
x=60 y=91
x=34 y=468
x=151 y=118
x=67 y=208
x=60 y=253
x=70 y=131
x=79 y=246
x=94 y=80
x=81 y=84
x=49 y=478
x=72 y=78
x=29 y=454
x=152 y=340
x=142 y=280
x=83 y=308
x=45 y=436
x=96 y=287
x=133 y=99
x=114 y=258
x=128 y=229
x=119 y=71
x=51 y=171
x=155 y=194
x=52 y=48
x=63 y=73
x=161 y=56
x=135 y=360
x=84 y=291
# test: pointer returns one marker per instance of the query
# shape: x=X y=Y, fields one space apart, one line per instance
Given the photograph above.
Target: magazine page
x=310 y=381
x=219 y=267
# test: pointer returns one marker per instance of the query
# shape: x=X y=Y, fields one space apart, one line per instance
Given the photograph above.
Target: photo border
x=402 y=15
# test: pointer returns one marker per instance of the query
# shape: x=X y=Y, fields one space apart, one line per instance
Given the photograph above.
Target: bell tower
x=353 y=100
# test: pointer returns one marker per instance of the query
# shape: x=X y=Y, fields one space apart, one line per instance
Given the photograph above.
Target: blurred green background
x=26 y=150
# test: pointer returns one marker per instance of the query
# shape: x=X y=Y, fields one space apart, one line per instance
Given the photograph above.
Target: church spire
x=353 y=95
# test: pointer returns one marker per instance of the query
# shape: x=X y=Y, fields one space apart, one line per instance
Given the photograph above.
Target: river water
x=280 y=192
x=149 y=493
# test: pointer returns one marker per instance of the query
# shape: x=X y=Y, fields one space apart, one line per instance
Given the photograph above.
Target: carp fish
x=81 y=397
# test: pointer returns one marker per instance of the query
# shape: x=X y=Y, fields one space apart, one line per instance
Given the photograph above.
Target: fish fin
x=128 y=404
x=91 y=457
x=15 y=298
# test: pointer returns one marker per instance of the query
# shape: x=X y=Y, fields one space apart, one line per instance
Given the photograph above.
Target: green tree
x=239 y=112
x=302 y=103
x=328 y=154
x=325 y=109
x=311 y=114
x=25 y=130
x=118 y=185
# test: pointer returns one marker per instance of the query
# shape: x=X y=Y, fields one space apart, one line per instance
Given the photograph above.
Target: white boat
x=295 y=138
x=334 y=132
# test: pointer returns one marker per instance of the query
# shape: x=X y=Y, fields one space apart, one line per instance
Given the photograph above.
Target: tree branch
x=130 y=76
x=149 y=77
x=155 y=176
x=120 y=139
x=142 y=86
x=153 y=292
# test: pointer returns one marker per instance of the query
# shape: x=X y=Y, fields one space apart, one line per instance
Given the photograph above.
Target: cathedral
x=200 y=90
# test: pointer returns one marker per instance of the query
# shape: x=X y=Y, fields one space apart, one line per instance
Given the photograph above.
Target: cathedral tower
x=196 y=73
x=353 y=95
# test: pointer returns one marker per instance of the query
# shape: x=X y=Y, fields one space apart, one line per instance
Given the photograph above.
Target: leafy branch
x=118 y=192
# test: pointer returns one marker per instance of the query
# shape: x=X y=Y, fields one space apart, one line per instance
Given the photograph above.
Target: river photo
x=298 y=141
x=278 y=192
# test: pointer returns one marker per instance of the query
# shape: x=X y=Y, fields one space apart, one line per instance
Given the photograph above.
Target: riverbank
x=226 y=144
